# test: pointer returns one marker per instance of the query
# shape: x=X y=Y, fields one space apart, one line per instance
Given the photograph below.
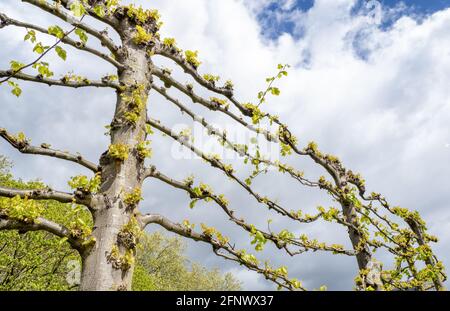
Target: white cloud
x=386 y=116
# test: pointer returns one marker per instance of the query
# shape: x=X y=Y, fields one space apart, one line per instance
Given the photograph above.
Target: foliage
x=119 y=151
x=85 y=184
x=77 y=8
x=16 y=90
x=56 y=31
x=163 y=266
x=24 y=210
x=219 y=101
x=282 y=71
x=135 y=99
x=229 y=84
x=140 y=15
x=5 y=165
x=192 y=58
x=141 y=35
x=81 y=33
x=143 y=150
x=211 y=78
x=134 y=197
x=40 y=261
x=171 y=43
x=35 y=260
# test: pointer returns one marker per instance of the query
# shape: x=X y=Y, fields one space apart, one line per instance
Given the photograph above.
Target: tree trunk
x=364 y=256
x=104 y=265
x=372 y=268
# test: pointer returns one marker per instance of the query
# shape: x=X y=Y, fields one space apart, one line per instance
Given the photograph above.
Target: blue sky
x=425 y=6
x=273 y=28
x=421 y=5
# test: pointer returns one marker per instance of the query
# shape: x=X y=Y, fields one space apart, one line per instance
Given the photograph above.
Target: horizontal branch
x=211 y=105
x=294 y=174
x=230 y=253
x=54 y=82
x=24 y=147
x=171 y=226
x=6 y=21
x=304 y=246
x=216 y=163
x=178 y=58
x=38 y=194
x=343 y=179
x=235 y=147
x=106 y=18
x=271 y=204
x=56 y=10
x=41 y=224
x=49 y=194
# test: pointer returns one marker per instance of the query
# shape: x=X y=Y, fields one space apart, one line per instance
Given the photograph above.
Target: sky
x=368 y=83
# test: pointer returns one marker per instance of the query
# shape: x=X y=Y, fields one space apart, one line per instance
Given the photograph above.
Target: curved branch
x=24 y=147
x=58 y=12
x=280 y=243
x=108 y=19
x=61 y=82
x=39 y=194
x=167 y=79
x=6 y=21
x=42 y=224
x=35 y=61
x=177 y=57
x=297 y=175
x=219 y=165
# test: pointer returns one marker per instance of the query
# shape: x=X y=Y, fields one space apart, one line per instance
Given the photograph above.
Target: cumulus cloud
x=376 y=96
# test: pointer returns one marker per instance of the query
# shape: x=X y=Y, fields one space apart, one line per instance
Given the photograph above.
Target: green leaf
x=275 y=91
x=43 y=69
x=56 y=31
x=81 y=34
x=16 y=66
x=64 y=239
x=31 y=35
x=39 y=48
x=192 y=204
x=77 y=8
x=99 y=10
x=16 y=90
x=61 y=52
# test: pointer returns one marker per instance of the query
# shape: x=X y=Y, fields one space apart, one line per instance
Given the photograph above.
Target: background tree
x=41 y=261
x=161 y=265
x=4 y=165
x=35 y=260
x=113 y=194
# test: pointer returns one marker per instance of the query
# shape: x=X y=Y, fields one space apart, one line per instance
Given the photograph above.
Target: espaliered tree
x=113 y=193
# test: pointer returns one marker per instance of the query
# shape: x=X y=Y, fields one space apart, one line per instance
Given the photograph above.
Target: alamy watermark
x=228 y=142
x=73 y=276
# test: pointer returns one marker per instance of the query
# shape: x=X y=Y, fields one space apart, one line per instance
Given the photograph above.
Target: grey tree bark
x=100 y=271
